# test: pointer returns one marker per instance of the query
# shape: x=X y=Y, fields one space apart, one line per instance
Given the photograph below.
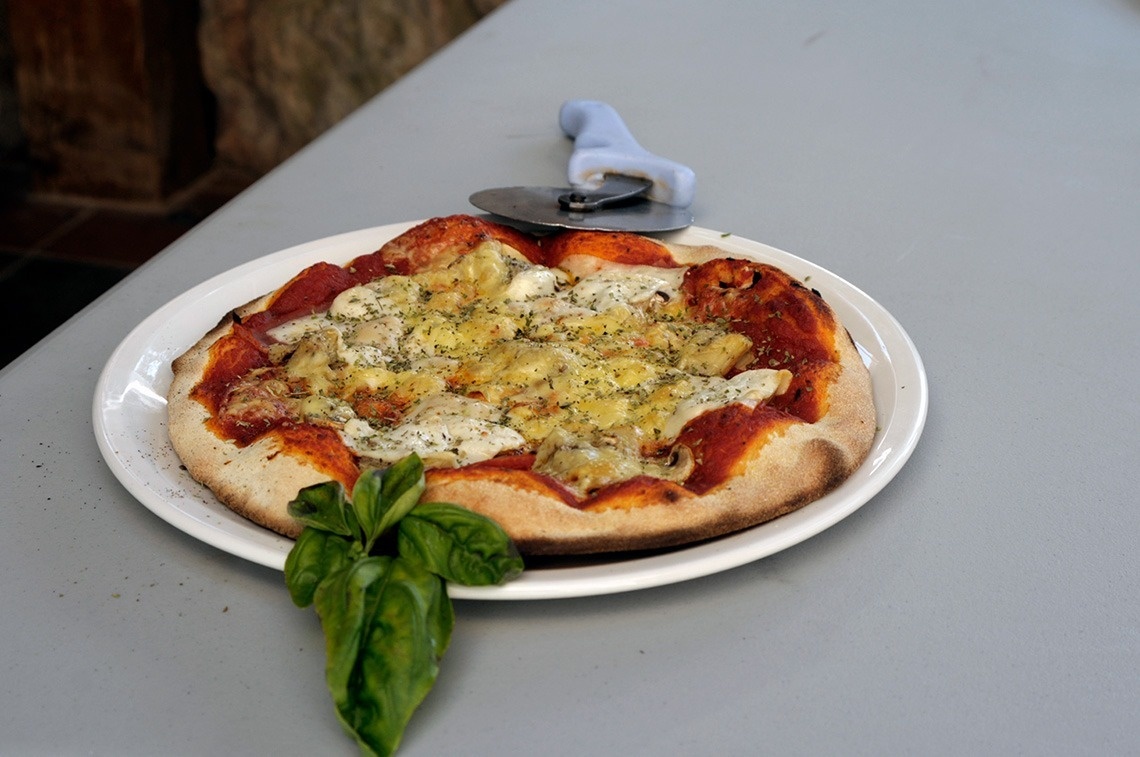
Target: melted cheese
x=748 y=388
x=491 y=353
x=446 y=430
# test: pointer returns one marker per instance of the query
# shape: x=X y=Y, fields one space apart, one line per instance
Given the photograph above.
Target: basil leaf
x=458 y=544
x=400 y=659
x=322 y=506
x=387 y=619
x=345 y=602
x=402 y=487
x=367 y=504
x=387 y=623
x=316 y=555
x=382 y=497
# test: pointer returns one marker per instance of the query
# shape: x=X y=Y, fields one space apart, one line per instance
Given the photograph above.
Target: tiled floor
x=58 y=256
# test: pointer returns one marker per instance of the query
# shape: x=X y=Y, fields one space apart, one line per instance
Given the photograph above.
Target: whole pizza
x=589 y=391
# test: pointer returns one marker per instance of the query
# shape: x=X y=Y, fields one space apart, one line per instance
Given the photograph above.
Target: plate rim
x=120 y=376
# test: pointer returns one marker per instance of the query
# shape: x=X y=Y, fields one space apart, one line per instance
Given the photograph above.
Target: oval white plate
x=130 y=424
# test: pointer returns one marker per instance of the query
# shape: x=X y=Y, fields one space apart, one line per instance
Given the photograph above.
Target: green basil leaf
x=387 y=620
x=382 y=497
x=402 y=488
x=387 y=624
x=400 y=659
x=345 y=602
x=316 y=555
x=322 y=506
x=367 y=504
x=458 y=544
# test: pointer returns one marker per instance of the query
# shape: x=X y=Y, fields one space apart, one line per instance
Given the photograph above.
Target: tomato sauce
x=721 y=438
x=322 y=447
x=231 y=357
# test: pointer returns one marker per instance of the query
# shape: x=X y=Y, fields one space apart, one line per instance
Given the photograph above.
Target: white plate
x=130 y=424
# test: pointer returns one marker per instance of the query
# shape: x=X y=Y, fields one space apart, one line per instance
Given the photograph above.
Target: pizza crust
x=776 y=475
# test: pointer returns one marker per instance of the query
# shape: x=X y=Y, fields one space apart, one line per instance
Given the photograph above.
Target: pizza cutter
x=615 y=183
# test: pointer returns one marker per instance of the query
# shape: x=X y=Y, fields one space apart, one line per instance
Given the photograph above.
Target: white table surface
x=973 y=165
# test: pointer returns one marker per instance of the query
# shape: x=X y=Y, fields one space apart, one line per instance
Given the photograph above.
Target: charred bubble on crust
x=739 y=275
x=797 y=284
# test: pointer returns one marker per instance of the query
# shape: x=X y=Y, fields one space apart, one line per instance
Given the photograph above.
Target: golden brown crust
x=778 y=473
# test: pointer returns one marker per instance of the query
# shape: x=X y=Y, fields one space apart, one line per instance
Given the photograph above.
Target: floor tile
x=56 y=257
x=118 y=238
x=25 y=224
x=37 y=295
x=213 y=191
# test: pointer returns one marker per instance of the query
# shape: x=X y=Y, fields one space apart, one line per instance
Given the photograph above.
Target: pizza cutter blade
x=615 y=184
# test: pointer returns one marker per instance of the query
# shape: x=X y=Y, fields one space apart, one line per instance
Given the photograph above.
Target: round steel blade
x=539 y=206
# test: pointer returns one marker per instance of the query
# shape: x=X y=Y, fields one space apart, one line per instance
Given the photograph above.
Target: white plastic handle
x=603 y=145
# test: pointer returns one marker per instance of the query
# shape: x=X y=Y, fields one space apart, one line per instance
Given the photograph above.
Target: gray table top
x=973 y=166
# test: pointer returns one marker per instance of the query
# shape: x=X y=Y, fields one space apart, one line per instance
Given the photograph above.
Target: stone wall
x=283 y=71
x=134 y=99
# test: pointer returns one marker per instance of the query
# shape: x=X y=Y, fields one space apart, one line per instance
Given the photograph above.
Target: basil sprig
x=383 y=601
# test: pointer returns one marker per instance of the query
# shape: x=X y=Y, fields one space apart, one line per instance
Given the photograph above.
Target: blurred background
x=123 y=123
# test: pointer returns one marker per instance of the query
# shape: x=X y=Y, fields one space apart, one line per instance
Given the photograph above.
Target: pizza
x=590 y=391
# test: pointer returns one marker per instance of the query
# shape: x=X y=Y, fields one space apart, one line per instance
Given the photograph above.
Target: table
x=973 y=166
